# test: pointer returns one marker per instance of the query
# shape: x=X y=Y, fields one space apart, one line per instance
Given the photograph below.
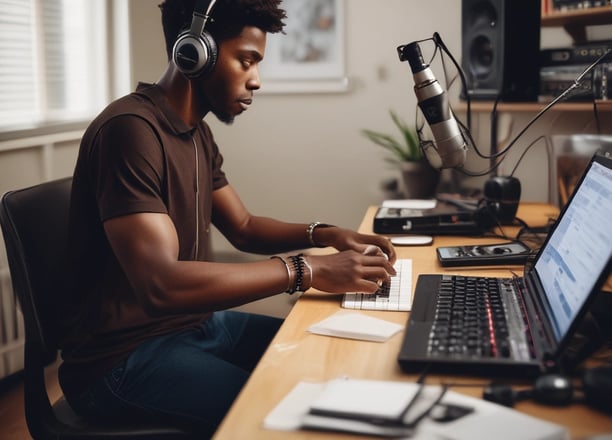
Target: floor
x=12 y=418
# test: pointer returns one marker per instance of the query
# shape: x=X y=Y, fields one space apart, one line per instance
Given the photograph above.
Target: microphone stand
x=493 y=153
x=502 y=193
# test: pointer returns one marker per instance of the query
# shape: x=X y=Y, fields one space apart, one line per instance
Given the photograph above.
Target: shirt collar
x=158 y=98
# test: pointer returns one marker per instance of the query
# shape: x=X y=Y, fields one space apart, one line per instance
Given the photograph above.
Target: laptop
x=541 y=310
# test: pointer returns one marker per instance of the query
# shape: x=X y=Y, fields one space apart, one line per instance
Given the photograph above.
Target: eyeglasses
x=426 y=402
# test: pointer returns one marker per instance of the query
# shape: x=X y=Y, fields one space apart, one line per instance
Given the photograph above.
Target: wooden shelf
x=575 y=21
x=534 y=107
x=589 y=16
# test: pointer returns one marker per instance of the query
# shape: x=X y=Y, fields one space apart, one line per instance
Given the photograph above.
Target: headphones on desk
x=558 y=390
x=195 y=51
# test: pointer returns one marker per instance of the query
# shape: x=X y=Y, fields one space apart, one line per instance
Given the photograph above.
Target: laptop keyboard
x=396 y=295
x=478 y=317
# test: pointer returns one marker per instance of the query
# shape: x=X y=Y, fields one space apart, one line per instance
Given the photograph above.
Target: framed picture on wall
x=309 y=57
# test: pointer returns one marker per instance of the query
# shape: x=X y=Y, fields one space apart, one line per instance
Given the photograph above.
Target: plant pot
x=420 y=180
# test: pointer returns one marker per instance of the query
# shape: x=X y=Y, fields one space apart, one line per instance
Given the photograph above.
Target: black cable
x=562 y=96
x=531 y=144
x=437 y=39
x=493 y=130
x=466 y=131
x=596 y=116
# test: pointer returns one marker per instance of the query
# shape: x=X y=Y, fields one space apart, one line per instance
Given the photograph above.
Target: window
x=54 y=65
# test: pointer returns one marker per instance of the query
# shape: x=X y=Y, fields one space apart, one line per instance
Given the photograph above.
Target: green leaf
x=406 y=149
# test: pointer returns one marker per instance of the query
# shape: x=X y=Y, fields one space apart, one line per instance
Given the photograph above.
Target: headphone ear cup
x=213 y=52
x=553 y=389
x=195 y=56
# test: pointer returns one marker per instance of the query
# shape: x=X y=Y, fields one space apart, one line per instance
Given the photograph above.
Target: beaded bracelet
x=298 y=268
x=302 y=268
x=299 y=273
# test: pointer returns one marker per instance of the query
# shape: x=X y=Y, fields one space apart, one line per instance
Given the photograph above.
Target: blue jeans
x=189 y=379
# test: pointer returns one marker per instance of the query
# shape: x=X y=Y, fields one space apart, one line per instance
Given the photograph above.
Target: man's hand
x=345 y=239
x=351 y=271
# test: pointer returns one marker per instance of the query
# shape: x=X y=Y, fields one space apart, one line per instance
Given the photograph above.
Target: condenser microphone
x=450 y=148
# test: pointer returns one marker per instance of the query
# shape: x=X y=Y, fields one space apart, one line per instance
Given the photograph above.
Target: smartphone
x=512 y=252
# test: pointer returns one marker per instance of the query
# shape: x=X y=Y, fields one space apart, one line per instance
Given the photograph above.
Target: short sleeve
x=129 y=163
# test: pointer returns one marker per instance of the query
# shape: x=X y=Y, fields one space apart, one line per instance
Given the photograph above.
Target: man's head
x=238 y=29
x=229 y=17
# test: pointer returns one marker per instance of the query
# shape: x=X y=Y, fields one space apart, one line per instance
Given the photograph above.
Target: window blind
x=53 y=65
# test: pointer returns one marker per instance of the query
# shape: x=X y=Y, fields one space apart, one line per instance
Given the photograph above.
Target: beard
x=224 y=117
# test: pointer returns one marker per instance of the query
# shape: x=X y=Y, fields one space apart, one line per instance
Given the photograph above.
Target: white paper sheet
x=354 y=325
x=419 y=204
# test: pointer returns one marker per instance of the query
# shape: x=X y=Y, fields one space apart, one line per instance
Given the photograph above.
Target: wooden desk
x=296 y=355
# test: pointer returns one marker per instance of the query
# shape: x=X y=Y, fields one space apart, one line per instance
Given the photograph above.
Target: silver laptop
x=522 y=325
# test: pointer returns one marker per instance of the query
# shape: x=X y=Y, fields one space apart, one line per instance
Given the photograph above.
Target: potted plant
x=420 y=179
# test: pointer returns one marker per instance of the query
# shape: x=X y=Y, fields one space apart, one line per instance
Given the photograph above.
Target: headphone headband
x=201 y=14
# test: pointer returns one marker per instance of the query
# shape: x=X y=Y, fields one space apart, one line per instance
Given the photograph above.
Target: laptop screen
x=579 y=248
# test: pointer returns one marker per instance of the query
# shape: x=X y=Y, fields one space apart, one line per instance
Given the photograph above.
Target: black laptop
x=518 y=326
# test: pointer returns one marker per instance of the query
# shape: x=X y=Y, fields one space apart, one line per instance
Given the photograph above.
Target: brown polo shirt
x=136 y=156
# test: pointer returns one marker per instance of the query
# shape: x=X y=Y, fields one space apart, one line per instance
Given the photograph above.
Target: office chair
x=34 y=223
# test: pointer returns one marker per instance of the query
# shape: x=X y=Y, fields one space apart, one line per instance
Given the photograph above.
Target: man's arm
x=146 y=246
x=267 y=236
x=252 y=233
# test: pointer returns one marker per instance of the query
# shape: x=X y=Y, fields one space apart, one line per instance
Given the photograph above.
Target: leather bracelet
x=310 y=232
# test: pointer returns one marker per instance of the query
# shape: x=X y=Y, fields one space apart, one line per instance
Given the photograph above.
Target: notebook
x=542 y=309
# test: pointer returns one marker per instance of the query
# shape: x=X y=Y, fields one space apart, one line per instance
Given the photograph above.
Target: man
x=149 y=337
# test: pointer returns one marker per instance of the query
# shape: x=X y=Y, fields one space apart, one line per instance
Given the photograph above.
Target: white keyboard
x=393 y=296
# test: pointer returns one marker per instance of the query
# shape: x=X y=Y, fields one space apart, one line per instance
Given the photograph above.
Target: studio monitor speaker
x=500 y=49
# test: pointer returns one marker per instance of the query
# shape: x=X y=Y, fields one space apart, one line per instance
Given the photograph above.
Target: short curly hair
x=228 y=17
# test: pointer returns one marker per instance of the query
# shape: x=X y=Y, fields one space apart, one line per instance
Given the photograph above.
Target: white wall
x=306 y=150
x=301 y=157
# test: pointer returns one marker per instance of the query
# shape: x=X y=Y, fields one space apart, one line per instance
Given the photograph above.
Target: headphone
x=550 y=389
x=195 y=51
x=558 y=390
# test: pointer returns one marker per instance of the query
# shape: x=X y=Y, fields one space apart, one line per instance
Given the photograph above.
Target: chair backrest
x=35 y=225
